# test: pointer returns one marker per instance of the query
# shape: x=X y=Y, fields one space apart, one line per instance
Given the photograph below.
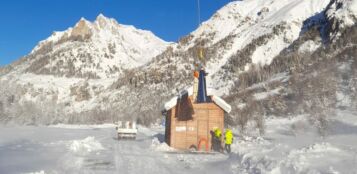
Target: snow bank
x=292 y=145
x=156 y=145
x=39 y=172
x=74 y=126
x=312 y=158
x=87 y=145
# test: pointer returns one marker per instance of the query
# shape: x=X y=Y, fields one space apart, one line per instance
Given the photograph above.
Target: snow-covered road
x=290 y=145
x=81 y=149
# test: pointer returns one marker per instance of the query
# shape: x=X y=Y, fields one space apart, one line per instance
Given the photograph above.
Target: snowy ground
x=288 y=146
x=293 y=146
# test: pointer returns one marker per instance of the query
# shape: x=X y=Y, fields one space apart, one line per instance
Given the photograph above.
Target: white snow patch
x=309 y=47
x=346 y=15
x=156 y=145
x=221 y=103
x=87 y=145
x=263 y=95
x=264 y=54
x=283 y=77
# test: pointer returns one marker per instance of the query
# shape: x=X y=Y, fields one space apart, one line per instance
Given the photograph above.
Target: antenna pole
x=199 y=12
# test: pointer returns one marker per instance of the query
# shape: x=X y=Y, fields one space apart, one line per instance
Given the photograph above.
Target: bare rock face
x=81 y=30
x=80 y=91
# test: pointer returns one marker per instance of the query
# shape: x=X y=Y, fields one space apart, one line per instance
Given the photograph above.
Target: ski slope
x=290 y=145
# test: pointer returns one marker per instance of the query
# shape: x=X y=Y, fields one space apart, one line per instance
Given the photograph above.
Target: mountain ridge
x=262 y=34
x=103 y=46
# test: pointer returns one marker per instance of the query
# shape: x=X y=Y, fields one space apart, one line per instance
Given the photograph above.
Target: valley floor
x=289 y=145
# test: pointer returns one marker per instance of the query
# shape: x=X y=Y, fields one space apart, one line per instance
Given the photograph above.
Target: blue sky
x=25 y=22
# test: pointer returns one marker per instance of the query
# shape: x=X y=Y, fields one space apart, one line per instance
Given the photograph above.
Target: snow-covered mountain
x=100 y=49
x=253 y=51
x=252 y=32
x=58 y=67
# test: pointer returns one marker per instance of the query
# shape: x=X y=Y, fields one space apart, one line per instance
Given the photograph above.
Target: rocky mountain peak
x=101 y=17
x=82 y=28
x=103 y=21
x=99 y=49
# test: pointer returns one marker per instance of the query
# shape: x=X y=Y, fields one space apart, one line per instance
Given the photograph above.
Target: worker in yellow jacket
x=218 y=133
x=216 y=140
x=228 y=140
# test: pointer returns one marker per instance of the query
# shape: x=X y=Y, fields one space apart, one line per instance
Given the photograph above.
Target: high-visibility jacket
x=229 y=136
x=217 y=133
